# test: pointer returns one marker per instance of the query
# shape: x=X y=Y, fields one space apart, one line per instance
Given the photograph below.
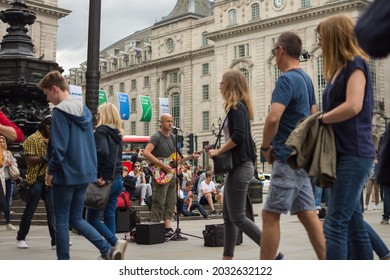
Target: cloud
x=119 y=18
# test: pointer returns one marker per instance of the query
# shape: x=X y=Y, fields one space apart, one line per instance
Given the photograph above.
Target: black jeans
x=38 y=191
x=386 y=203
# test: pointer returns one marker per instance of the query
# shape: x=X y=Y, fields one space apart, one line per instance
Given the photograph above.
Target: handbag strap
x=220 y=131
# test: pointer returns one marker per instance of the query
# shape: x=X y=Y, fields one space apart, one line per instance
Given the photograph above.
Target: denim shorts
x=289 y=191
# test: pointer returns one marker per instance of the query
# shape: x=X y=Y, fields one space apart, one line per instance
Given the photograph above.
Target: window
x=122 y=87
x=205 y=69
x=133 y=105
x=134 y=84
x=174 y=78
x=205 y=41
x=170 y=44
x=133 y=128
x=111 y=90
x=255 y=11
x=245 y=72
x=176 y=109
x=277 y=73
x=146 y=81
x=321 y=83
x=305 y=3
x=241 y=51
x=206 y=92
x=206 y=120
x=146 y=128
x=372 y=66
x=232 y=17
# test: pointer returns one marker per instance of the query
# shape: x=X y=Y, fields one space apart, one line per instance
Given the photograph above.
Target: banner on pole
x=164 y=105
x=146 y=108
x=123 y=105
x=76 y=92
x=102 y=97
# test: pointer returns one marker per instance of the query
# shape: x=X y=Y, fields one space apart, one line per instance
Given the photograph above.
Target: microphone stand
x=177 y=236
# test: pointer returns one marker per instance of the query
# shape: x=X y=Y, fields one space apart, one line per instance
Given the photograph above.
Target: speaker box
x=150 y=233
x=122 y=220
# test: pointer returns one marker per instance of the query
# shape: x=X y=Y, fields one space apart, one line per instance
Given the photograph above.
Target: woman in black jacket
x=108 y=139
x=238 y=141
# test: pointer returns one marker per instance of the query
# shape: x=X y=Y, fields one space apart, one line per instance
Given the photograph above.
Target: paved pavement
x=294 y=243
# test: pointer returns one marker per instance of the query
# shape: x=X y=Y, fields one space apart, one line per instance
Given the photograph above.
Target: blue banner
x=124 y=105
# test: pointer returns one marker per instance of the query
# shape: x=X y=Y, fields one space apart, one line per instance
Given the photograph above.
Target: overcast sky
x=119 y=19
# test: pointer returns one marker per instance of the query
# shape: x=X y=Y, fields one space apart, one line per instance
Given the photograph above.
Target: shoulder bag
x=223 y=163
x=13 y=170
x=96 y=196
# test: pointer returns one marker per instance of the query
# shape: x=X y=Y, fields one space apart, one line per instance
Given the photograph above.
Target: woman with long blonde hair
x=238 y=142
x=108 y=139
x=348 y=106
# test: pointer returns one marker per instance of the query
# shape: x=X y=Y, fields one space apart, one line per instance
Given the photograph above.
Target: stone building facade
x=44 y=30
x=183 y=56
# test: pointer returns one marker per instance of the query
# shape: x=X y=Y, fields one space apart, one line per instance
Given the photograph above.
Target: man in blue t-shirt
x=290 y=190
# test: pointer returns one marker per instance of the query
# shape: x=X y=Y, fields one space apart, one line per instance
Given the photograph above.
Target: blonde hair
x=339 y=44
x=109 y=115
x=236 y=89
x=5 y=142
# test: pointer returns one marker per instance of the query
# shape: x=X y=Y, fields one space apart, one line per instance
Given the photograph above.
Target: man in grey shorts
x=290 y=190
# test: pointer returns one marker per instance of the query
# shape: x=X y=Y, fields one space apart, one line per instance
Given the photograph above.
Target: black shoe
x=214 y=212
x=195 y=214
x=206 y=217
x=280 y=256
x=169 y=232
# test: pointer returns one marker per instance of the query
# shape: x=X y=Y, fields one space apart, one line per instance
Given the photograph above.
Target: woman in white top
x=142 y=188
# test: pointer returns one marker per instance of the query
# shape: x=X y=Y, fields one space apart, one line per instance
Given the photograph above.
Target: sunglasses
x=136 y=166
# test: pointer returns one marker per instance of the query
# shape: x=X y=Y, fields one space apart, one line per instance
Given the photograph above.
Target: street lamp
x=215 y=132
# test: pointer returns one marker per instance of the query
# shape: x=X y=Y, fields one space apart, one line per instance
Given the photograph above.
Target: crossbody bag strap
x=220 y=130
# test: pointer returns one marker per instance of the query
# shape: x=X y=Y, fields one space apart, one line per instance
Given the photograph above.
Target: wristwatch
x=264 y=149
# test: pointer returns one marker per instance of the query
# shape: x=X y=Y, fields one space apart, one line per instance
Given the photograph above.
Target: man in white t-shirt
x=208 y=193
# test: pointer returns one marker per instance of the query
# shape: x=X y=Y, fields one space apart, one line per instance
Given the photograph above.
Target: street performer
x=161 y=146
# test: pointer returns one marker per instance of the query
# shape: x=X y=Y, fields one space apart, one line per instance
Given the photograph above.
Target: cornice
x=42 y=8
x=330 y=8
x=186 y=56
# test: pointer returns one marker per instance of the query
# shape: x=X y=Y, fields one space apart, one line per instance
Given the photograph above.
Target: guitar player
x=161 y=145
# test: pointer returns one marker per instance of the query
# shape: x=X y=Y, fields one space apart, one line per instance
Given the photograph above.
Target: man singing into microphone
x=162 y=145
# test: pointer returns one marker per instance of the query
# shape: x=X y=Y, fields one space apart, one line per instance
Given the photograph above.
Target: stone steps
x=39 y=217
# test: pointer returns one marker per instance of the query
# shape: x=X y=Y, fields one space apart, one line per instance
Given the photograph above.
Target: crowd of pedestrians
x=65 y=154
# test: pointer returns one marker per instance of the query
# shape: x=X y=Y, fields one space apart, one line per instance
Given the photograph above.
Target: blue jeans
x=68 y=208
x=344 y=224
x=386 y=202
x=318 y=195
x=108 y=228
x=38 y=191
x=234 y=206
x=194 y=205
x=9 y=188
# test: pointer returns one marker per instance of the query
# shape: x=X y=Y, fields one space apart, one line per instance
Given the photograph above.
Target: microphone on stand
x=175 y=129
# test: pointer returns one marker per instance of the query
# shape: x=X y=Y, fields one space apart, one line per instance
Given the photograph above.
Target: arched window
x=255 y=11
x=232 y=17
x=176 y=109
x=245 y=72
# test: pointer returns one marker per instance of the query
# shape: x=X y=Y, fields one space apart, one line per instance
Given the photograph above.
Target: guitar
x=161 y=177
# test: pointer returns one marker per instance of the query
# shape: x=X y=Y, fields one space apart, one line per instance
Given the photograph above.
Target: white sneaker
x=22 y=244
x=10 y=227
x=142 y=203
x=121 y=245
x=375 y=207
